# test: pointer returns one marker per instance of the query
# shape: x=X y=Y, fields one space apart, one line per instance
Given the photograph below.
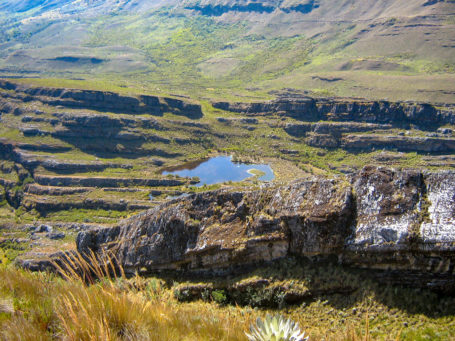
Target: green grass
x=88 y=216
x=169 y=51
x=256 y=172
x=46 y=306
x=10 y=250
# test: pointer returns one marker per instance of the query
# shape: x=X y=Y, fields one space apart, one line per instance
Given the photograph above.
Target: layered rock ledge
x=398 y=114
x=102 y=100
x=401 y=222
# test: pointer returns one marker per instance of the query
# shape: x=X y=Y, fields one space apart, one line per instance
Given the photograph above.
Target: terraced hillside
x=351 y=103
x=72 y=158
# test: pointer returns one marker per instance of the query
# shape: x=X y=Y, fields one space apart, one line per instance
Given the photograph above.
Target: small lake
x=221 y=169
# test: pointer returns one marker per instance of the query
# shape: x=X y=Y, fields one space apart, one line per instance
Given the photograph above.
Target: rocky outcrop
x=104 y=100
x=380 y=136
x=389 y=206
x=90 y=120
x=323 y=140
x=398 y=114
x=404 y=226
x=22 y=153
x=50 y=190
x=303 y=108
x=381 y=219
x=85 y=128
x=103 y=134
x=214 y=8
x=400 y=143
x=335 y=129
x=438 y=225
x=223 y=229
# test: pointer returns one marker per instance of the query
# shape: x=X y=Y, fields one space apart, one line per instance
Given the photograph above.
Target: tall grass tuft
x=98 y=306
x=91 y=299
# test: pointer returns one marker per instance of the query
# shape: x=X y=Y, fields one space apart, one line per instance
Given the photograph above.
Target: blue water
x=221 y=169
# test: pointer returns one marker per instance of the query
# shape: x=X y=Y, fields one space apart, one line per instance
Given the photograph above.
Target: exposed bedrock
x=350 y=136
x=104 y=100
x=89 y=126
x=400 y=143
x=217 y=9
x=381 y=219
x=370 y=142
x=104 y=134
x=90 y=120
x=401 y=114
x=22 y=153
x=336 y=129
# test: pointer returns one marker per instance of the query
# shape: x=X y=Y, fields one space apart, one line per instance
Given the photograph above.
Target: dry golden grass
x=78 y=306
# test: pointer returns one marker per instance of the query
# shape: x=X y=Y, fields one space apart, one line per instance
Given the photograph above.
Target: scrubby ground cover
x=43 y=306
x=377 y=50
x=404 y=54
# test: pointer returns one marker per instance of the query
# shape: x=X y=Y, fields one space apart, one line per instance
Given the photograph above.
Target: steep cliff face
x=223 y=229
x=389 y=205
x=338 y=123
x=382 y=219
x=218 y=8
x=104 y=100
x=380 y=112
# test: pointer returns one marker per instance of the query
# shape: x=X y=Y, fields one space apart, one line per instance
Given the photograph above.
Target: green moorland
x=395 y=55
x=372 y=52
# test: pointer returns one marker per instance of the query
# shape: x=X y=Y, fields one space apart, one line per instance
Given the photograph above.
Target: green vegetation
x=88 y=216
x=256 y=172
x=116 y=308
x=10 y=250
x=172 y=51
x=176 y=52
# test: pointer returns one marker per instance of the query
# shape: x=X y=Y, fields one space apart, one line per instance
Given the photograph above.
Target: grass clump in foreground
x=93 y=303
x=77 y=307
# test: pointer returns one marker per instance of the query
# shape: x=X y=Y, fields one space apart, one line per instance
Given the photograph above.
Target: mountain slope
x=397 y=49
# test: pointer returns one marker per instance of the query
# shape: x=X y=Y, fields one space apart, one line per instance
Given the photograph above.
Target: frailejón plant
x=275 y=328
x=6 y=307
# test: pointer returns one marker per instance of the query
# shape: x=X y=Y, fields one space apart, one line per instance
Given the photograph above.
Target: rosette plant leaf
x=276 y=328
x=6 y=307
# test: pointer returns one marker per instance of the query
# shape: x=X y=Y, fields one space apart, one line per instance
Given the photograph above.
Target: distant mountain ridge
x=266 y=45
x=75 y=6
x=367 y=9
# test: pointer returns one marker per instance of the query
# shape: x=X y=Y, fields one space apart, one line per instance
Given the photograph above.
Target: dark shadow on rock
x=294 y=281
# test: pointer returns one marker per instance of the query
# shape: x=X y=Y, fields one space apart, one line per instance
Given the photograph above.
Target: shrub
x=219 y=296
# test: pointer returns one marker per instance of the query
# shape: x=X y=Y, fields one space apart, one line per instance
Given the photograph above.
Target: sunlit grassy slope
x=381 y=49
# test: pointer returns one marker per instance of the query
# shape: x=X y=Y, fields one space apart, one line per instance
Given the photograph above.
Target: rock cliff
x=380 y=218
x=358 y=125
x=398 y=114
x=103 y=100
